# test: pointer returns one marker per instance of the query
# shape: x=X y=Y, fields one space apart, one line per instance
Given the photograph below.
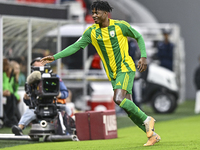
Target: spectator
x=14 y=81
x=134 y=51
x=29 y=114
x=22 y=76
x=165 y=51
x=197 y=85
x=10 y=106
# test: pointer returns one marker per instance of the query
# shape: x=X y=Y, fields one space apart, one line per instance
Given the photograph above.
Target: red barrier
x=104 y=101
x=93 y=125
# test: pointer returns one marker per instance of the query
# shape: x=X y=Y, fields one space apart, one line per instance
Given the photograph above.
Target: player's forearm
x=141 y=45
x=136 y=35
x=67 y=51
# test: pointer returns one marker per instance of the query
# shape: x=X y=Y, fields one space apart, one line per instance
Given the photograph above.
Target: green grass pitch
x=181 y=133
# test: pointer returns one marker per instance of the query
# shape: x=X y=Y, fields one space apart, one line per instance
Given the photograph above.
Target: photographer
x=29 y=114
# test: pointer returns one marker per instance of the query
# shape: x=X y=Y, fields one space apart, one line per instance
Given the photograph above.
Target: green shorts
x=124 y=80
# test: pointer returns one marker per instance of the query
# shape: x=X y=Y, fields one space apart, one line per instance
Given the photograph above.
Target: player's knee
x=117 y=100
x=119 y=95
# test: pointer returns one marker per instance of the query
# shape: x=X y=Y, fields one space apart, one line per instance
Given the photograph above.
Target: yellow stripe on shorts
x=125 y=83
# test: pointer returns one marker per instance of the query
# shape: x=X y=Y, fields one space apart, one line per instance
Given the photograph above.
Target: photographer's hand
x=27 y=100
x=59 y=95
x=47 y=59
x=26 y=97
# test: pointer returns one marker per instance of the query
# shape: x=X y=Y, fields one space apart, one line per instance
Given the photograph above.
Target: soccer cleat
x=152 y=140
x=149 y=125
x=17 y=130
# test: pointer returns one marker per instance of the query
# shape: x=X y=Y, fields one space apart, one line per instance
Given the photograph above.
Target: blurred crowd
x=13 y=77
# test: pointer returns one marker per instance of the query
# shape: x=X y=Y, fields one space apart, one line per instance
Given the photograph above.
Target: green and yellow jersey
x=111 y=44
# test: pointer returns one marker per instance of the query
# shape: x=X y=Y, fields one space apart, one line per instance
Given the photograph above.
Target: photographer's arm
x=26 y=100
x=63 y=90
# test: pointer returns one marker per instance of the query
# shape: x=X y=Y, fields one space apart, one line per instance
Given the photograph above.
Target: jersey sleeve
x=82 y=42
x=131 y=32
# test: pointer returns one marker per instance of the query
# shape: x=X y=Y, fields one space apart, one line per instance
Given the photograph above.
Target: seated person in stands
x=14 y=81
x=9 y=117
x=29 y=114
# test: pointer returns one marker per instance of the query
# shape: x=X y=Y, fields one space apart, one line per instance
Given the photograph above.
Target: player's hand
x=47 y=59
x=142 y=64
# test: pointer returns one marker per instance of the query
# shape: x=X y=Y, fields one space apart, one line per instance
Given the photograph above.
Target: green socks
x=134 y=113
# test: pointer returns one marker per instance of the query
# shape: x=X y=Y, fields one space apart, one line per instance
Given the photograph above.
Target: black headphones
x=34 y=60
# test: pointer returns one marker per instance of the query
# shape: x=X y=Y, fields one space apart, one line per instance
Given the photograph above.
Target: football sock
x=139 y=123
x=134 y=113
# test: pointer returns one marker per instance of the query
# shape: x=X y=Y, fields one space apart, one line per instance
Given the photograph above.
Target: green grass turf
x=175 y=134
x=180 y=134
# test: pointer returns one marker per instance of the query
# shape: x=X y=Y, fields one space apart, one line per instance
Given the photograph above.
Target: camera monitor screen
x=51 y=85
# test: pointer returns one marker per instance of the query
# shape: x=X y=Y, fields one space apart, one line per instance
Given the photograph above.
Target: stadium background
x=186 y=14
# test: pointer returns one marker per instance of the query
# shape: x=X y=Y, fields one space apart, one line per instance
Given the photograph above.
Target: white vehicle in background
x=159 y=88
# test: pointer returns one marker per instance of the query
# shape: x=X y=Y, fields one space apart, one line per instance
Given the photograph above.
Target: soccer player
x=109 y=37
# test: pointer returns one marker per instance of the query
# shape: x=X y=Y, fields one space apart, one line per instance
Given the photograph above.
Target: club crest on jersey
x=112 y=33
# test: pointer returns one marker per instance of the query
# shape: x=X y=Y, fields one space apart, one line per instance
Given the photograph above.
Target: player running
x=109 y=37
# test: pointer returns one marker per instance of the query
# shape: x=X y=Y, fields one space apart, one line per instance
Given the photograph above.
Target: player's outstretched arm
x=47 y=59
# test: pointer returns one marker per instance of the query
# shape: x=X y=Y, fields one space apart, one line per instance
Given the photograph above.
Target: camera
x=43 y=87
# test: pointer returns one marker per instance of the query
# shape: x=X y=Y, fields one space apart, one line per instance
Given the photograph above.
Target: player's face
x=99 y=16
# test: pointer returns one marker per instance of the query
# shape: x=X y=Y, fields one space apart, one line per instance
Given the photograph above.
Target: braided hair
x=101 y=5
